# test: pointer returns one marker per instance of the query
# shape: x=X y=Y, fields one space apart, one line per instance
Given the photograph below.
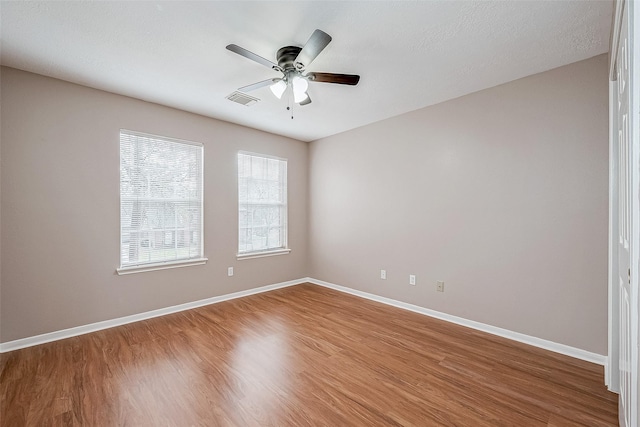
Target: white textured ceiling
x=409 y=54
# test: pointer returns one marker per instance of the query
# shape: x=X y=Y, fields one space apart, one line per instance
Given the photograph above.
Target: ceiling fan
x=292 y=63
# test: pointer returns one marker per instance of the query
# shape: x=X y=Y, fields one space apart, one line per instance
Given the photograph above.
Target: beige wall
x=502 y=194
x=60 y=207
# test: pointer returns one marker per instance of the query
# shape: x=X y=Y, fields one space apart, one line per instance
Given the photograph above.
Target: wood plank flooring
x=298 y=356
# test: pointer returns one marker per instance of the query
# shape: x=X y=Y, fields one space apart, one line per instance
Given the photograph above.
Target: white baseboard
x=93 y=327
x=516 y=336
x=505 y=333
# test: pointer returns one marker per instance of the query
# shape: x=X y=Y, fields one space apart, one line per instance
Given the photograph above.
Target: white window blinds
x=262 y=197
x=160 y=200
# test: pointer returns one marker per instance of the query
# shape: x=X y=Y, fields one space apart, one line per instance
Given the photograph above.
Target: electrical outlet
x=412 y=279
x=440 y=286
x=230 y=271
x=383 y=274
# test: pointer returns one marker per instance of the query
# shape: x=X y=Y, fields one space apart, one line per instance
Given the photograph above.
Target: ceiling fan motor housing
x=286 y=57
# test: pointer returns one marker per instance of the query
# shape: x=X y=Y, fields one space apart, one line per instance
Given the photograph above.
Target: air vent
x=242 y=98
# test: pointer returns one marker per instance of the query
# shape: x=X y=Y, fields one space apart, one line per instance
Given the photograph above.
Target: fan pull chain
x=289 y=104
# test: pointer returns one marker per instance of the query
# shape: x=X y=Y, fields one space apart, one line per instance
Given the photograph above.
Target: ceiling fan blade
x=306 y=101
x=252 y=56
x=341 y=79
x=258 y=85
x=316 y=44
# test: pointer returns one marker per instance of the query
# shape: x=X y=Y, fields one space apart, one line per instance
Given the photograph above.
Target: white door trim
x=611 y=378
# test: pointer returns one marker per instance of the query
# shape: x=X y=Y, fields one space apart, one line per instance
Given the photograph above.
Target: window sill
x=160 y=266
x=262 y=254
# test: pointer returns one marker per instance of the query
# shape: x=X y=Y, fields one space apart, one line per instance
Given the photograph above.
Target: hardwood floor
x=298 y=356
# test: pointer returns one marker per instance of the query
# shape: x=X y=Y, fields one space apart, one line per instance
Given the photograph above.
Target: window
x=160 y=202
x=262 y=205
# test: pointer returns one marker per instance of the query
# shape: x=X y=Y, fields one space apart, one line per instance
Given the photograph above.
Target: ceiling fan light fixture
x=299 y=97
x=278 y=88
x=300 y=86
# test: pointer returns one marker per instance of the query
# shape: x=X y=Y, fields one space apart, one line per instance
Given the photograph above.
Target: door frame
x=612 y=367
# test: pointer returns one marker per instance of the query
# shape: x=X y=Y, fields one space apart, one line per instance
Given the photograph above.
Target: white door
x=624 y=217
x=626 y=205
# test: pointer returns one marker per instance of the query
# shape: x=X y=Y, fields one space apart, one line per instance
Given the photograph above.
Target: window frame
x=284 y=248
x=167 y=263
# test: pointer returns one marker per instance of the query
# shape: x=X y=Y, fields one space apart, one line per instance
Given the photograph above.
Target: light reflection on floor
x=261 y=358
